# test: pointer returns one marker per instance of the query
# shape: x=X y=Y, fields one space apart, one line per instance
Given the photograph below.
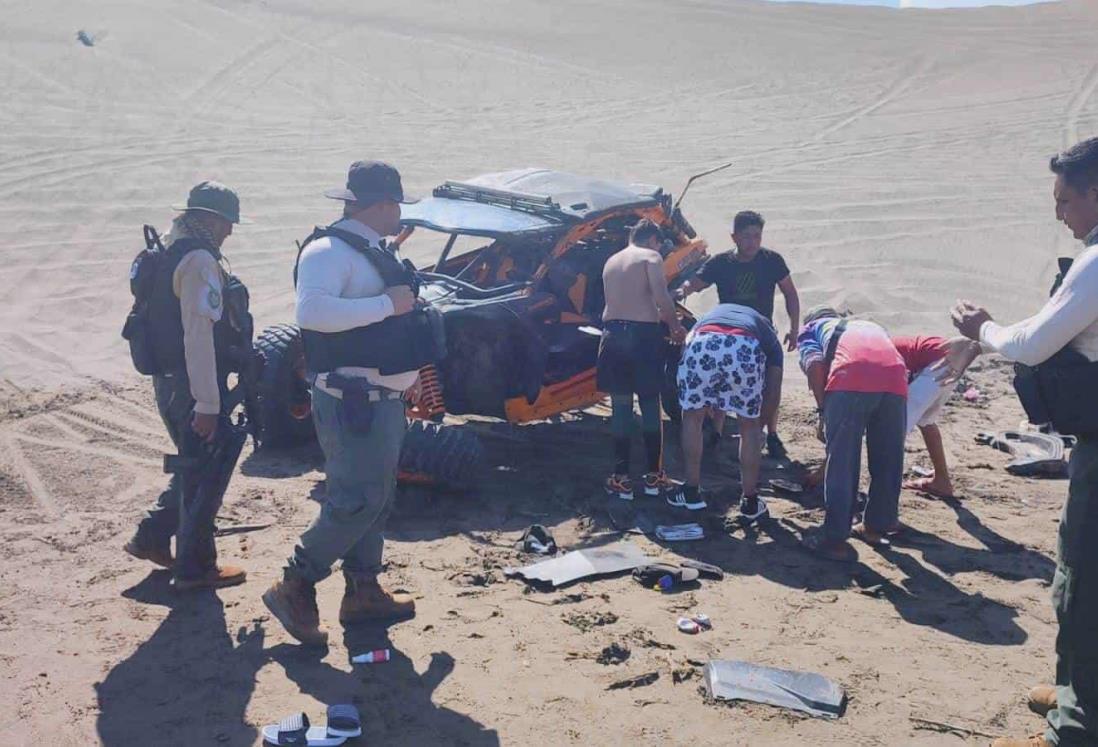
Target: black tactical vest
x=394 y=345
x=1062 y=390
x=232 y=333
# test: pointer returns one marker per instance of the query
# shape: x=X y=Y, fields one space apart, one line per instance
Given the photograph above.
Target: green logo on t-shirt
x=746 y=287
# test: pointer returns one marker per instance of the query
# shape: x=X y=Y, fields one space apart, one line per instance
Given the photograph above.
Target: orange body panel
x=576 y=393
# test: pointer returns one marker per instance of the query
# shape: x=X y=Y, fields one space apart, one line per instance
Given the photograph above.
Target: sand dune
x=899 y=157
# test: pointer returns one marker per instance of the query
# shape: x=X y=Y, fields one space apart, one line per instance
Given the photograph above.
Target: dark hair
x=746 y=219
x=643 y=232
x=1078 y=164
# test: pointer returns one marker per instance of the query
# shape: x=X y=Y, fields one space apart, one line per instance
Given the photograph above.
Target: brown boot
x=1042 y=699
x=365 y=600
x=216 y=578
x=161 y=556
x=1034 y=741
x=293 y=602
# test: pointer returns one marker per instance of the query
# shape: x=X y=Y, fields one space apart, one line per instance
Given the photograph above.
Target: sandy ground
x=900 y=158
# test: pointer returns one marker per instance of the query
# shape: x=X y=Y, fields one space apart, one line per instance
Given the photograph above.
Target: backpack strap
x=833 y=343
x=387 y=265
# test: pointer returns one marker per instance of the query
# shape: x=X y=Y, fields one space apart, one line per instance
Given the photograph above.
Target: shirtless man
x=631 y=354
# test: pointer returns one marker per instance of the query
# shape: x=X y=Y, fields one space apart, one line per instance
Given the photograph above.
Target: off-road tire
x=440 y=455
x=281 y=389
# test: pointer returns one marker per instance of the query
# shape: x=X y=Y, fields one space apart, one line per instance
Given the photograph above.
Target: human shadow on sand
x=189 y=684
x=395 y=701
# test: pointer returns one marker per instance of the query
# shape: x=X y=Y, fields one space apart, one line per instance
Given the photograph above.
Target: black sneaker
x=775 y=449
x=688 y=497
x=753 y=509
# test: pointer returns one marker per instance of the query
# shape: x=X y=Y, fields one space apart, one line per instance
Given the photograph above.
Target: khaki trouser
x=361 y=468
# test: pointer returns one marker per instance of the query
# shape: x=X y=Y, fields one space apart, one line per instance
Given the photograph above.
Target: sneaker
x=775 y=449
x=619 y=486
x=688 y=497
x=753 y=509
x=658 y=483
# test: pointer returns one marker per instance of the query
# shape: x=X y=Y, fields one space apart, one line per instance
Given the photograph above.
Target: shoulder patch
x=213 y=298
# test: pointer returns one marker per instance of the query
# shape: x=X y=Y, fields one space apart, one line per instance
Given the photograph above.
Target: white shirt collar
x=354 y=226
x=1092 y=237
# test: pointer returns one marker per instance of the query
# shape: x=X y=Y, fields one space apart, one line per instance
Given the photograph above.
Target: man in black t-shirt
x=748 y=276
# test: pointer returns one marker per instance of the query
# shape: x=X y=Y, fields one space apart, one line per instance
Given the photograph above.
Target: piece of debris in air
x=537 y=541
x=573 y=566
x=810 y=693
x=1035 y=454
x=85 y=38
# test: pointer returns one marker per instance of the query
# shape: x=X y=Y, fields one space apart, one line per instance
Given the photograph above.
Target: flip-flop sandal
x=537 y=540
x=871 y=538
x=688 y=626
x=344 y=721
x=650 y=575
x=294 y=731
x=705 y=570
x=814 y=544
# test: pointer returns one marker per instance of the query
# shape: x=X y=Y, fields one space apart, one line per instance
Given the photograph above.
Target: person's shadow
x=394 y=700
x=188 y=684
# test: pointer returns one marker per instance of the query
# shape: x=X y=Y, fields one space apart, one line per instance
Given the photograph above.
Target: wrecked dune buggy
x=519 y=282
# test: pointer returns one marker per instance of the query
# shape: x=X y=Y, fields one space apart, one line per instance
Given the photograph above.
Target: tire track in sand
x=29 y=476
x=1078 y=103
x=898 y=88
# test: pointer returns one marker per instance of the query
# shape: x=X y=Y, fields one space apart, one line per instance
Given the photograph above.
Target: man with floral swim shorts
x=732 y=362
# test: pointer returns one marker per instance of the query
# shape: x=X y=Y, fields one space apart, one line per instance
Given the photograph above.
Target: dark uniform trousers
x=187 y=514
x=1075 y=596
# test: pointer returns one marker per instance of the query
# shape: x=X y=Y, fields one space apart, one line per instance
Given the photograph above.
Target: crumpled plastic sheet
x=578 y=564
x=810 y=693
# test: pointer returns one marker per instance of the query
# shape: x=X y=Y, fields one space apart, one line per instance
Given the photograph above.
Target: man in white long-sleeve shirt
x=352 y=291
x=1068 y=322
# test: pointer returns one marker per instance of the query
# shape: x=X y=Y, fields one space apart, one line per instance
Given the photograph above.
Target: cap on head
x=820 y=312
x=214 y=197
x=369 y=182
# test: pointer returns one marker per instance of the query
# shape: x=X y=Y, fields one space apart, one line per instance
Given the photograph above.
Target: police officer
x=1061 y=341
x=185 y=315
x=358 y=315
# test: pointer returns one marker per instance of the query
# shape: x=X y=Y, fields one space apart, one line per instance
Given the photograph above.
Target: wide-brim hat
x=369 y=182
x=214 y=197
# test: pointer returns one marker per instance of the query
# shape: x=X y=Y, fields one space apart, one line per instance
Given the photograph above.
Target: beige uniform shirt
x=197 y=282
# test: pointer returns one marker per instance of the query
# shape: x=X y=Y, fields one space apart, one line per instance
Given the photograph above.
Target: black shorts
x=631 y=358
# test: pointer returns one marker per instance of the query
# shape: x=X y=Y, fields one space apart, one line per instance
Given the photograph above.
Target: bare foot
x=931 y=486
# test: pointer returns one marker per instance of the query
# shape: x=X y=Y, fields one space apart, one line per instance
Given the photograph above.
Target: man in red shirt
x=860 y=384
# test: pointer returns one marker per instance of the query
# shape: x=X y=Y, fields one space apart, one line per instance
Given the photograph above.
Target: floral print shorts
x=722 y=370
